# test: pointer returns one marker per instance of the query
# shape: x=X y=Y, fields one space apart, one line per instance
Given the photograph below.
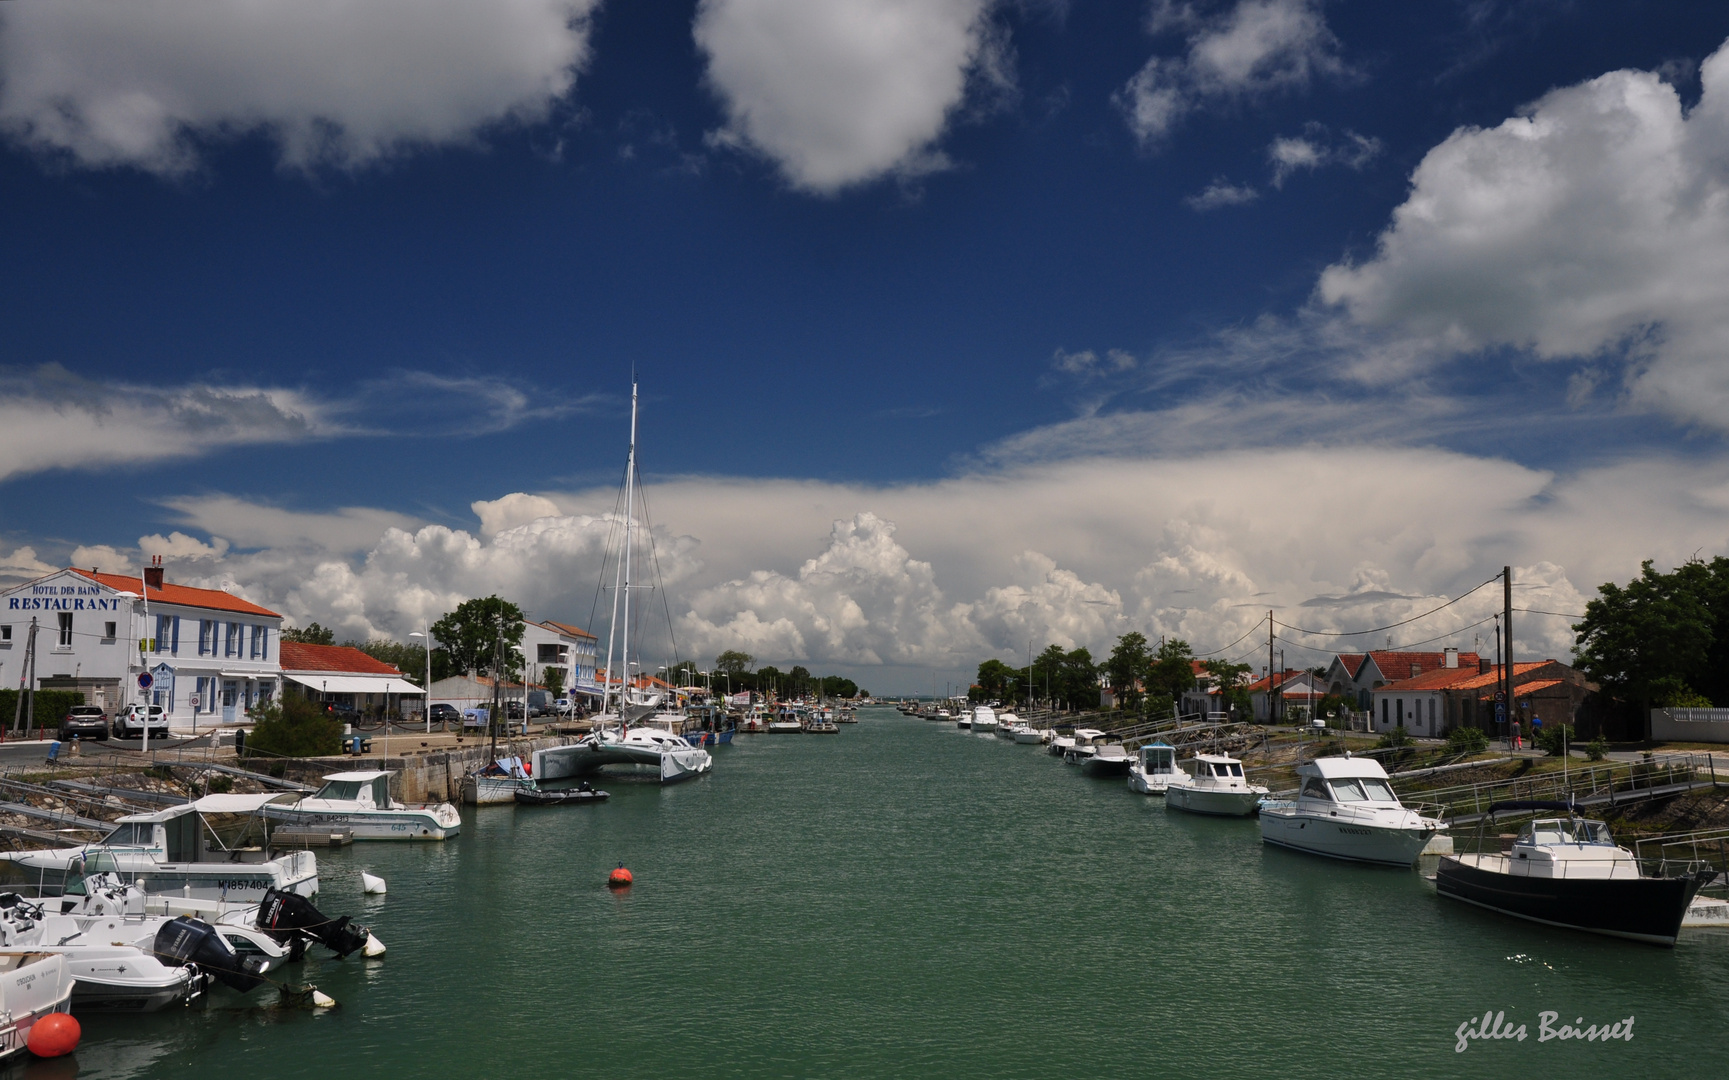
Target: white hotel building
x=210 y=654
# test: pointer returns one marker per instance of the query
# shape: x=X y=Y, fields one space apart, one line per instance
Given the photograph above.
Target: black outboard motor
x=186 y=940
x=290 y=918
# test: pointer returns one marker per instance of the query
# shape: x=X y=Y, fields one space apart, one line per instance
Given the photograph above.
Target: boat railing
x=1677 y=854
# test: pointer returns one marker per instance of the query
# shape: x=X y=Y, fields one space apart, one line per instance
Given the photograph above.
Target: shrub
x=295 y=727
x=1549 y=738
x=1397 y=737
x=1597 y=749
x=51 y=706
x=1467 y=740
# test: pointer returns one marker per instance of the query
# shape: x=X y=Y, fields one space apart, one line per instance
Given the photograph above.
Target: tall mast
x=629 y=529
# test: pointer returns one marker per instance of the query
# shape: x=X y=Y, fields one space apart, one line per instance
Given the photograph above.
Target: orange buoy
x=55 y=1035
x=619 y=878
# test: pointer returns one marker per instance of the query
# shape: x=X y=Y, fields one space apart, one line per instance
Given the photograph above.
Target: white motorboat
x=942 y=715
x=984 y=719
x=1156 y=770
x=1215 y=785
x=1346 y=809
x=32 y=985
x=964 y=721
x=1060 y=745
x=360 y=802
x=1028 y=736
x=1105 y=759
x=216 y=848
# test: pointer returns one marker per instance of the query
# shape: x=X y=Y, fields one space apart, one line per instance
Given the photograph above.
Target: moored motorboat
x=360 y=802
x=985 y=719
x=1346 y=809
x=32 y=985
x=1155 y=770
x=1215 y=785
x=1106 y=759
x=1568 y=871
x=532 y=794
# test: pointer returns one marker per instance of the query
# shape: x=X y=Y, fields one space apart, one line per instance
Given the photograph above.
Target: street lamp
x=428 y=637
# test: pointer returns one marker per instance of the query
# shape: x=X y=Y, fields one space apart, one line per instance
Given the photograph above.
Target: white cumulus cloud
x=837 y=92
x=1593 y=225
x=345 y=82
x=1258 y=47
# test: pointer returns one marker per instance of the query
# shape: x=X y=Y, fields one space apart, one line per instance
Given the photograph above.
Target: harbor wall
x=433 y=775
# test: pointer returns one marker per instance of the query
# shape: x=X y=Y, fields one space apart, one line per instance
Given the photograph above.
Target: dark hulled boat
x=531 y=794
x=1569 y=872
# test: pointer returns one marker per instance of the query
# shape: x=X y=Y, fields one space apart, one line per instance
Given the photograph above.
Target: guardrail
x=1685 y=853
x=1611 y=782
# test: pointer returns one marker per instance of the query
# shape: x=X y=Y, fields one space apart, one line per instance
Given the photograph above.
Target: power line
x=1389 y=626
x=1252 y=629
x=1399 y=648
x=1557 y=614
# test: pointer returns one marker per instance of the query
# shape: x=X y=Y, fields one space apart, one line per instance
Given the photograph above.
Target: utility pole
x=26 y=679
x=1507 y=617
x=497 y=676
x=1272 y=672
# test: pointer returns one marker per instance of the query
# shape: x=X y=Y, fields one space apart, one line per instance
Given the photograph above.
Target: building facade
x=344 y=676
x=571 y=650
x=210 y=655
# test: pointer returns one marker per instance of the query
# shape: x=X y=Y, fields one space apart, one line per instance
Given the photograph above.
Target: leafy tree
x=407 y=658
x=1171 y=671
x=1126 y=665
x=553 y=678
x=1662 y=638
x=1077 y=680
x=997 y=681
x=313 y=634
x=295 y=727
x=734 y=662
x=469 y=635
x=1232 y=683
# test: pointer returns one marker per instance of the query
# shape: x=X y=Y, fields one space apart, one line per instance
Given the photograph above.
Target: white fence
x=1690 y=725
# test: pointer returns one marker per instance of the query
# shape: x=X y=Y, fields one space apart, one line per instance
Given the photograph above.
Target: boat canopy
x=214 y=804
x=1333 y=768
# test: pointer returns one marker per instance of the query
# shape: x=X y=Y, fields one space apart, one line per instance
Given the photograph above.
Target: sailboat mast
x=629 y=528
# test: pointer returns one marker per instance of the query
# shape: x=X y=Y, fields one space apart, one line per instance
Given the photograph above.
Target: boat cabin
x=369 y=789
x=216 y=828
x=1157 y=759
x=1086 y=736
x=1571 y=848
x=1217 y=769
x=1346 y=780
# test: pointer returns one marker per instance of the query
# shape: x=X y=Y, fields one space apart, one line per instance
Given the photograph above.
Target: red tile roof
x=333 y=658
x=1397 y=664
x=1278 y=679
x=1440 y=679
x=566 y=628
x=1352 y=661
x=1521 y=689
x=184 y=595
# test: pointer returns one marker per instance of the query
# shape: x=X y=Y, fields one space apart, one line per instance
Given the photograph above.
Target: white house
x=569 y=649
x=210 y=655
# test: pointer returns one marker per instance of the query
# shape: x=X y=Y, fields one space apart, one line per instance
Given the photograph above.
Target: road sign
x=1500 y=713
x=1500 y=695
x=144 y=680
x=192 y=700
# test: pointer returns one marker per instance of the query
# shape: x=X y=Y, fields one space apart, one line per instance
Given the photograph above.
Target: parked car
x=84 y=722
x=129 y=722
x=512 y=710
x=444 y=713
x=342 y=713
x=539 y=703
x=563 y=707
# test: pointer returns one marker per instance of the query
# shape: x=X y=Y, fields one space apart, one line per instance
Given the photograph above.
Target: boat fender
x=185 y=940
x=619 y=879
x=55 y=1035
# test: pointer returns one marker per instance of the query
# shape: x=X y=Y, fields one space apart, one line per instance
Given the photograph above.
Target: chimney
x=1449 y=658
x=153 y=573
x=1483 y=666
x=1416 y=670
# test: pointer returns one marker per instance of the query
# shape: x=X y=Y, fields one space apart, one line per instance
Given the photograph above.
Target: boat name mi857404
x=1493 y=1025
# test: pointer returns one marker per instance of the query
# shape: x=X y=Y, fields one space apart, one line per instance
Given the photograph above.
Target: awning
x=354 y=684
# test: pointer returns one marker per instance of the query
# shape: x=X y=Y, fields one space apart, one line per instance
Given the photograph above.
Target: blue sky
x=959 y=323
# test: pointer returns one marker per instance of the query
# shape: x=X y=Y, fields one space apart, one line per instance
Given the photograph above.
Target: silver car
x=130 y=720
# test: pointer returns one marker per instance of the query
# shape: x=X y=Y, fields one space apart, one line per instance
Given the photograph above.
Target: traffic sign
x=144 y=680
x=192 y=700
x=1500 y=695
x=1500 y=713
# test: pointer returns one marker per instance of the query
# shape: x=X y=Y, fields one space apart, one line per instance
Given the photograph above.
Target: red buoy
x=55 y=1035
x=619 y=878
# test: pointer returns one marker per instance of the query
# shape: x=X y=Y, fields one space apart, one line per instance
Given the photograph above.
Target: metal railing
x=1686 y=853
x=1602 y=782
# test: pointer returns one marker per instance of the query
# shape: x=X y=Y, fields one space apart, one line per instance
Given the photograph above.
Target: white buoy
x=321 y=1000
x=374 y=947
x=371 y=884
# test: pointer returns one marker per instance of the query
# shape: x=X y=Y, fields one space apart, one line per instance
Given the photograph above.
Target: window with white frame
x=264 y=643
x=231 y=641
x=109 y=630
x=65 y=629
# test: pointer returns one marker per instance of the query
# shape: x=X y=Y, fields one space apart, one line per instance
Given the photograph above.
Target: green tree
x=734 y=662
x=468 y=636
x=313 y=634
x=1170 y=672
x=1077 y=681
x=997 y=681
x=406 y=658
x=1125 y=667
x=553 y=679
x=1646 y=642
x=1232 y=683
x=295 y=727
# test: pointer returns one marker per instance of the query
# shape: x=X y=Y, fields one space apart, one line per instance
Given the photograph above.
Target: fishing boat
x=1346 y=809
x=1155 y=770
x=532 y=794
x=360 y=802
x=32 y=985
x=820 y=723
x=1214 y=784
x=216 y=848
x=1568 y=871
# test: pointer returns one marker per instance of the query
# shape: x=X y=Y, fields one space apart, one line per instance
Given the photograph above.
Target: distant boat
x=360 y=802
x=984 y=719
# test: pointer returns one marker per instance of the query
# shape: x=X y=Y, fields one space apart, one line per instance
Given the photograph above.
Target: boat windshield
x=340 y=790
x=1349 y=789
x=1379 y=790
x=132 y=834
x=1316 y=788
x=1228 y=768
x=1566 y=832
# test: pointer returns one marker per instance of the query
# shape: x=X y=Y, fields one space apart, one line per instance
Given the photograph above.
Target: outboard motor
x=290 y=918
x=186 y=940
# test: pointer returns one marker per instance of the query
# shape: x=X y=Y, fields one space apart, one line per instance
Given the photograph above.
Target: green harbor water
x=906 y=899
